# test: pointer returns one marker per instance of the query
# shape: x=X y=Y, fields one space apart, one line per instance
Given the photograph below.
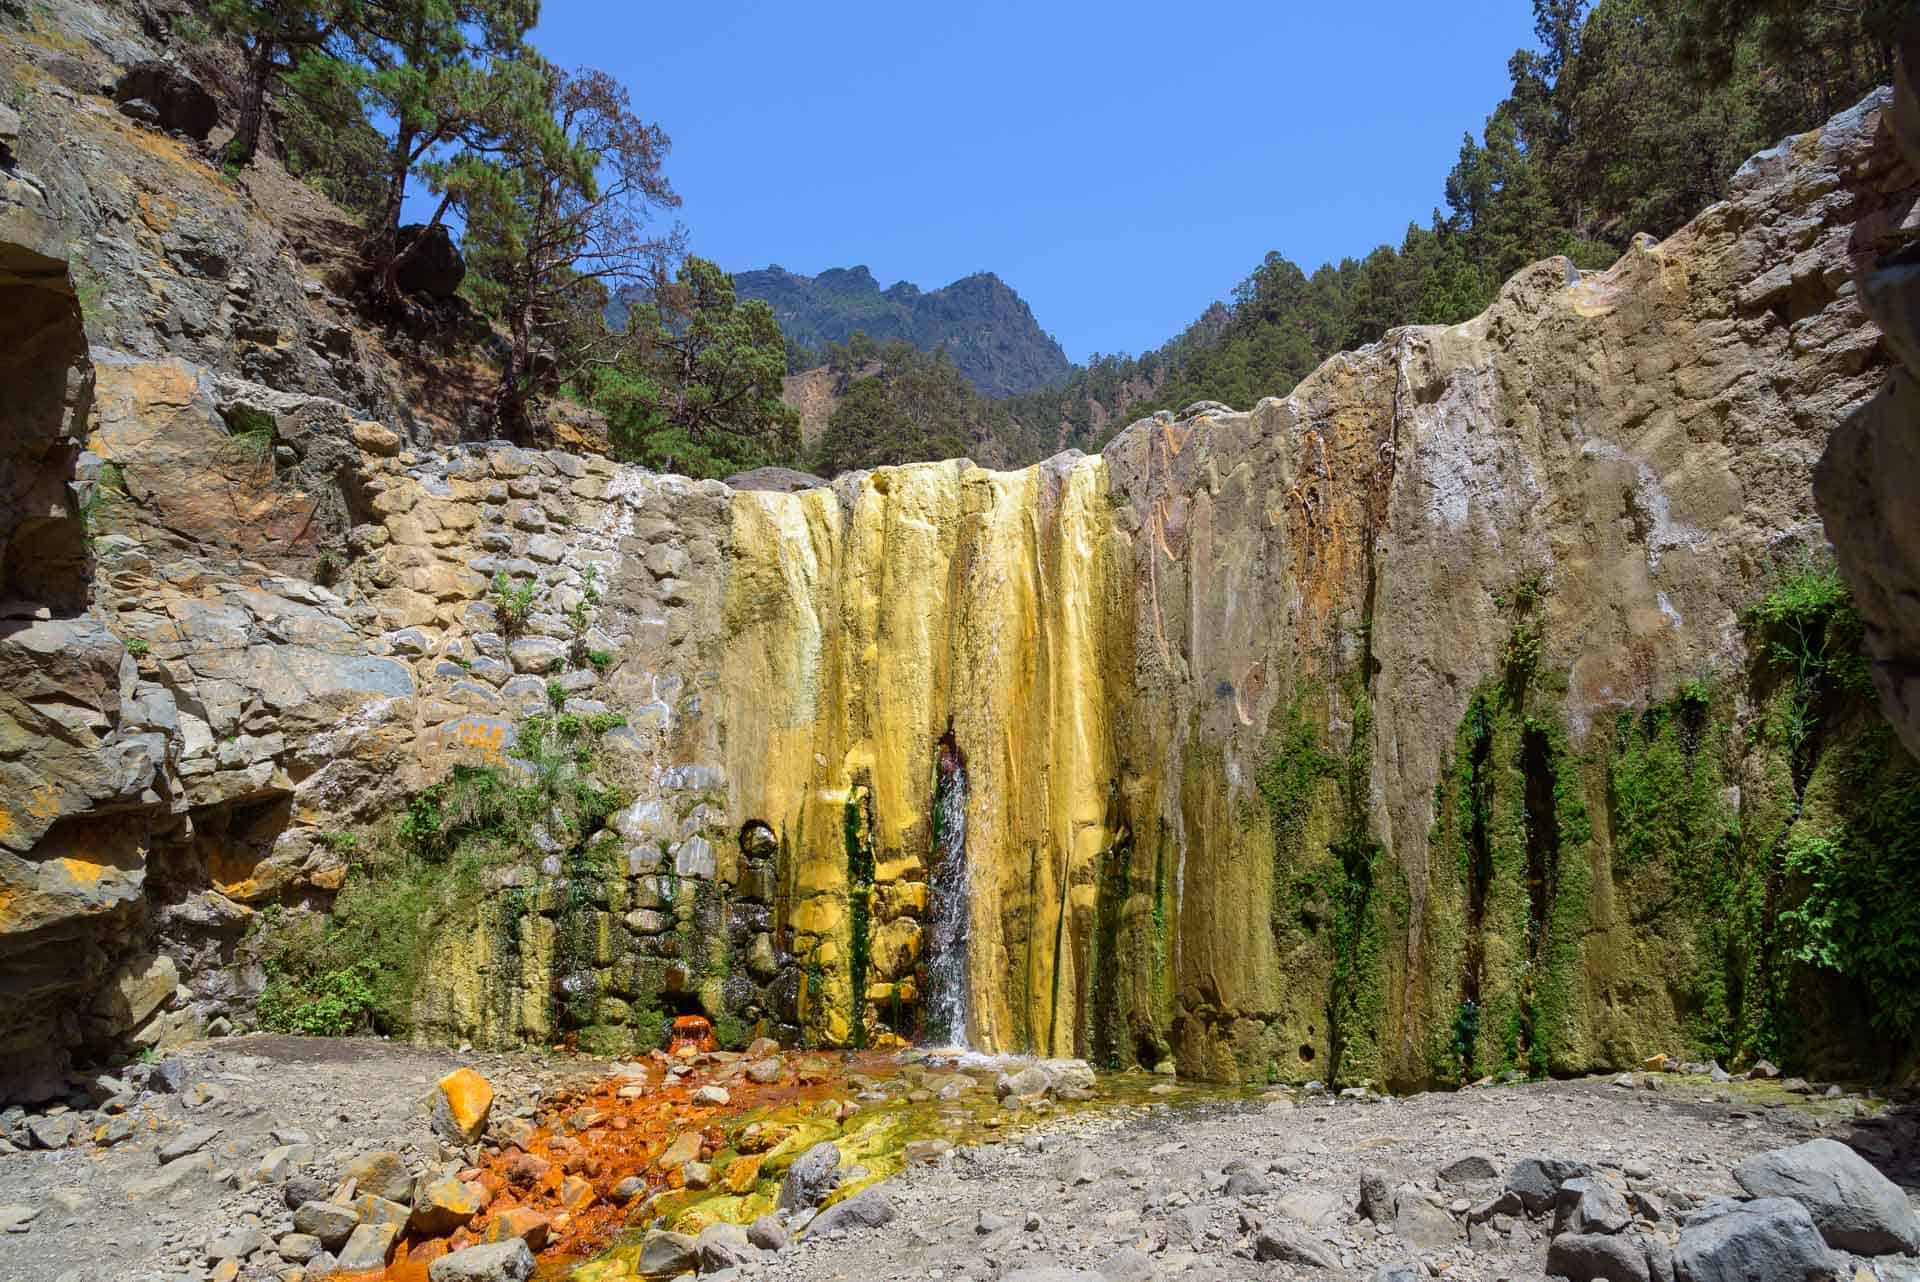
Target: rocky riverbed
x=287 y=1159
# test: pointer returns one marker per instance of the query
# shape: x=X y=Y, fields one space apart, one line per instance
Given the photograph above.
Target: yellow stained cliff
x=861 y=624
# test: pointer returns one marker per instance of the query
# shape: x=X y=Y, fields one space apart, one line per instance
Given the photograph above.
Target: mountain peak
x=978 y=320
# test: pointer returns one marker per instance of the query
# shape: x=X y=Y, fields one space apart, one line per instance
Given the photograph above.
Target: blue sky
x=1119 y=164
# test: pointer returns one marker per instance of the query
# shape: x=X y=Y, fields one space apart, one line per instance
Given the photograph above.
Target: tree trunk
x=385 y=248
x=253 y=103
x=516 y=381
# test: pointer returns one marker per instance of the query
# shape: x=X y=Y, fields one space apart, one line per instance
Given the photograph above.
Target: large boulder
x=508 y=1261
x=176 y=101
x=1588 y=1204
x=436 y=268
x=1855 y=1207
x=867 y=1209
x=1772 y=1238
x=1536 y=1181
x=1599 y=1257
x=810 y=1178
x=664 y=1254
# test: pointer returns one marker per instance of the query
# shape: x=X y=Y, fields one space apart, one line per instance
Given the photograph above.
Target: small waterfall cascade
x=948 y=893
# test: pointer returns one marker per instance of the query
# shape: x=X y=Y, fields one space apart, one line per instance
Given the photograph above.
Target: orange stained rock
x=469 y=1099
x=693 y=1031
x=742 y=1174
x=529 y=1225
x=555 y=1189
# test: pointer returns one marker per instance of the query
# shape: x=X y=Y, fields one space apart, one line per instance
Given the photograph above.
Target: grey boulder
x=1854 y=1206
x=868 y=1209
x=1772 y=1238
x=1537 y=1180
x=667 y=1255
x=1287 y=1246
x=508 y=1261
x=1588 y=1204
x=1599 y=1257
x=810 y=1178
x=723 y=1246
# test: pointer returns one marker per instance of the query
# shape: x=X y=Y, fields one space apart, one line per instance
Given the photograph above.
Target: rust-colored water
x=586 y=1142
x=566 y=1163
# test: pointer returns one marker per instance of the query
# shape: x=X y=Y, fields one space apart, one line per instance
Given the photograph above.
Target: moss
x=1333 y=892
x=860 y=868
x=1856 y=915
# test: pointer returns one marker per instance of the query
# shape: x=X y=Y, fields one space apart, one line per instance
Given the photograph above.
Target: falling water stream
x=947 y=950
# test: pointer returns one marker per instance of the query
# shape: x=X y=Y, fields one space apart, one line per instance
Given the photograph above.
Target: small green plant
x=1807 y=629
x=109 y=488
x=138 y=647
x=581 y=615
x=341 y=843
x=1520 y=653
x=335 y=1004
x=600 y=659
x=730 y=1032
x=556 y=695
x=1466 y=1033
x=91 y=294
x=250 y=434
x=512 y=603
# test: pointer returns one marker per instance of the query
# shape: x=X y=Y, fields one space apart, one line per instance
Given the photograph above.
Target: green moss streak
x=860 y=867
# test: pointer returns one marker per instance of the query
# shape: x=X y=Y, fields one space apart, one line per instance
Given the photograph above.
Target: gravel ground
x=102 y=1214
x=1082 y=1195
x=1162 y=1191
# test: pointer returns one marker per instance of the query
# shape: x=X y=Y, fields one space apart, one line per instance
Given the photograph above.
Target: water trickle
x=947 y=949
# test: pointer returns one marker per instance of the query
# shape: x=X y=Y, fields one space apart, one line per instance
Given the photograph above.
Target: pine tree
x=698 y=390
x=557 y=221
x=449 y=75
x=274 y=35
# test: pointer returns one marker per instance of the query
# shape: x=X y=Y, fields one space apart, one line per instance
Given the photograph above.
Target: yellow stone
x=685 y=1148
x=818 y=915
x=742 y=1174
x=461 y=1104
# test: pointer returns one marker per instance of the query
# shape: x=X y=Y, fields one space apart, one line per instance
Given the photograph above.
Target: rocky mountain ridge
x=978 y=320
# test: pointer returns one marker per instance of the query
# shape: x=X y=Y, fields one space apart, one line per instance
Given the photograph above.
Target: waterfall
x=947 y=946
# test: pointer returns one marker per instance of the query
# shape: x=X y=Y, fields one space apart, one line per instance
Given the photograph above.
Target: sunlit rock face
x=1294 y=741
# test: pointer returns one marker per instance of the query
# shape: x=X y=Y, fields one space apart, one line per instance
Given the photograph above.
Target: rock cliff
x=1311 y=741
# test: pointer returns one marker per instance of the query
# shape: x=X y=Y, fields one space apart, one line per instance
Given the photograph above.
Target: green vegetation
x=696 y=385
x=109 y=487
x=1334 y=893
x=896 y=406
x=1666 y=792
x=1842 y=874
x=1807 y=630
x=1859 y=916
x=512 y=603
x=557 y=218
x=138 y=647
x=1513 y=809
x=860 y=870
x=358 y=968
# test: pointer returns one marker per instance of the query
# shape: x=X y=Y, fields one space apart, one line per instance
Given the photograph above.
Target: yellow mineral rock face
x=934 y=596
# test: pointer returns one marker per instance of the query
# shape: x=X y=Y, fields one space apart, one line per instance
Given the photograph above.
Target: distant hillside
x=986 y=328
